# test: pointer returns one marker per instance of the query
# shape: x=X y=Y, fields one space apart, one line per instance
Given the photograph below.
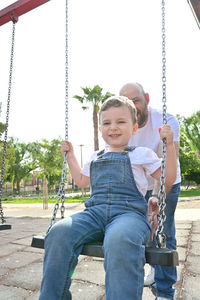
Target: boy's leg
x=124 y=253
x=63 y=244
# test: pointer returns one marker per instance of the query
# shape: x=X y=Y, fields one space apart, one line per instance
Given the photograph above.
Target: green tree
x=192 y=130
x=2 y=129
x=189 y=147
x=49 y=160
x=95 y=97
x=9 y=160
x=19 y=162
x=2 y=126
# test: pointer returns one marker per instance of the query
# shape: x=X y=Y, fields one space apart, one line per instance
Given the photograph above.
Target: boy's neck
x=117 y=149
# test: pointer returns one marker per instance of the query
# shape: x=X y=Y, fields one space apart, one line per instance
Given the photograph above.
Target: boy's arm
x=176 y=145
x=80 y=179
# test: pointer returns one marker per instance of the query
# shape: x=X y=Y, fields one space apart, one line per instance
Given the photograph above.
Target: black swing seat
x=5 y=226
x=154 y=256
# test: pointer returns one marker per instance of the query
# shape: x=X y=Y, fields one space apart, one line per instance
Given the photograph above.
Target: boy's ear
x=99 y=128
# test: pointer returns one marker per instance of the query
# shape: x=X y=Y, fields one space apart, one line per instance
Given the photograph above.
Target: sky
x=111 y=42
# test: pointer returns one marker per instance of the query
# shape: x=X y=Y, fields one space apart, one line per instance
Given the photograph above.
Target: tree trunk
x=18 y=187
x=95 y=124
x=45 y=193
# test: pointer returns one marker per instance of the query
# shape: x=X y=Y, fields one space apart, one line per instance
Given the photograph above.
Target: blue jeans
x=166 y=276
x=126 y=232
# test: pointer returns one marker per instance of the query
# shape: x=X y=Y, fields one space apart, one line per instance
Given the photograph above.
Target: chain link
x=61 y=191
x=60 y=195
x=160 y=236
x=66 y=73
x=7 y=119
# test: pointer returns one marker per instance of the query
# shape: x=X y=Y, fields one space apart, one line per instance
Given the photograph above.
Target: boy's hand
x=152 y=214
x=167 y=134
x=66 y=146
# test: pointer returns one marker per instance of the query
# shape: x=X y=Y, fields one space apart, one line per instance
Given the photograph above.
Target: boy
x=116 y=212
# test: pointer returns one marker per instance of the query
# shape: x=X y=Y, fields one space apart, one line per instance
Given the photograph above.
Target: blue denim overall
x=116 y=214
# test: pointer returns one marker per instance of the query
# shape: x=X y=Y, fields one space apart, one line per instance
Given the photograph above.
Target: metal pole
x=81 y=148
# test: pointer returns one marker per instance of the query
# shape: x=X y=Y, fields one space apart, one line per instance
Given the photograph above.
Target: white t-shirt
x=148 y=136
x=144 y=162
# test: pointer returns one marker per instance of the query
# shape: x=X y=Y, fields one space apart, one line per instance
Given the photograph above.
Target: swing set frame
x=20 y=7
x=195 y=7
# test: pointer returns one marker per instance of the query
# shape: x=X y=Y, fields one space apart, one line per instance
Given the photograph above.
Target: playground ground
x=21 y=265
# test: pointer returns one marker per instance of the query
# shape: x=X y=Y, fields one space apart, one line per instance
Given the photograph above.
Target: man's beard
x=142 y=118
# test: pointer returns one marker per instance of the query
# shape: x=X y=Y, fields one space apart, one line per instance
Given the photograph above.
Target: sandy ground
x=188 y=204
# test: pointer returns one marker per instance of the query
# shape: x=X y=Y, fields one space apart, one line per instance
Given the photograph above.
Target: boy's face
x=116 y=126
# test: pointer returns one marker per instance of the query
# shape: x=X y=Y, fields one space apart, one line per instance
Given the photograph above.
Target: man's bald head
x=131 y=88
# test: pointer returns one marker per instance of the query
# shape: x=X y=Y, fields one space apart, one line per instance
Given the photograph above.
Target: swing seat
x=154 y=256
x=5 y=226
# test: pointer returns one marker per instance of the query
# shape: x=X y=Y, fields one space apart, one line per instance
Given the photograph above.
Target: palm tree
x=95 y=97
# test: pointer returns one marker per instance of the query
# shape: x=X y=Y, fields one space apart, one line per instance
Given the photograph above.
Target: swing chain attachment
x=61 y=191
x=160 y=236
x=6 y=125
x=14 y=17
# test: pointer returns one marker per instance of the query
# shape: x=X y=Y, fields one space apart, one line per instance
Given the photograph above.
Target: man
x=149 y=120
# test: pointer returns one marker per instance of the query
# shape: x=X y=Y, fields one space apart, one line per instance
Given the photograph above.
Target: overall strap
x=100 y=153
x=128 y=149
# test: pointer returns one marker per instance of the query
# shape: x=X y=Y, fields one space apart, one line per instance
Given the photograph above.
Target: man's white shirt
x=148 y=136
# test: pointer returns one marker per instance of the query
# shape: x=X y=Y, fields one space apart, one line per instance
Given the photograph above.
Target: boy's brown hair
x=117 y=101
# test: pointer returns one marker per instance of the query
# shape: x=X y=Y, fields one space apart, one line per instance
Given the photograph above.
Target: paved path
x=21 y=265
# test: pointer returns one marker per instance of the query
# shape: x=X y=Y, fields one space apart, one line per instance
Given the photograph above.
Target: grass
x=190 y=193
x=7 y=200
x=78 y=199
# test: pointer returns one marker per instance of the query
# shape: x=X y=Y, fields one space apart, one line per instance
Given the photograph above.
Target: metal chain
x=66 y=96
x=7 y=119
x=160 y=236
x=61 y=191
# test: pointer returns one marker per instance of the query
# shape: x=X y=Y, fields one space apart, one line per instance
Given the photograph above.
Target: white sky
x=111 y=42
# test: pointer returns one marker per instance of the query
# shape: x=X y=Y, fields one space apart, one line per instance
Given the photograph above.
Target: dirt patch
x=188 y=204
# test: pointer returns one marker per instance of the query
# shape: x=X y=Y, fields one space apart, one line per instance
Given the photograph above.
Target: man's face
x=135 y=94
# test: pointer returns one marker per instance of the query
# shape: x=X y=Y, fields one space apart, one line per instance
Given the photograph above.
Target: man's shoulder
x=141 y=151
x=157 y=116
x=155 y=110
